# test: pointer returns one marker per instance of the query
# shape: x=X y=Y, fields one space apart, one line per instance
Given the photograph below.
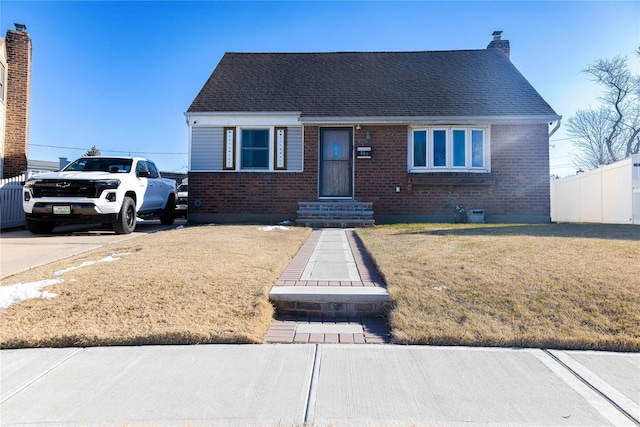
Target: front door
x=336 y=161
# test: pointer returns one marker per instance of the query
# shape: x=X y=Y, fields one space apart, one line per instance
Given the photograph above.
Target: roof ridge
x=357 y=52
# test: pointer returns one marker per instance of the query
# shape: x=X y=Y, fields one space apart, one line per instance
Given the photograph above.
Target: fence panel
x=609 y=194
x=11 y=212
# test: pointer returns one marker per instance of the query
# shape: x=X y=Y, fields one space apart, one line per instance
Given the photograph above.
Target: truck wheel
x=126 y=221
x=37 y=227
x=169 y=215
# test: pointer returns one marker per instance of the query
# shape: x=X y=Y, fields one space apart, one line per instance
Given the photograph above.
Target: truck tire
x=169 y=214
x=126 y=221
x=37 y=227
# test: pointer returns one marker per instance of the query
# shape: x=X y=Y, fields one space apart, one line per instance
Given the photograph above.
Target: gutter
x=557 y=126
x=421 y=120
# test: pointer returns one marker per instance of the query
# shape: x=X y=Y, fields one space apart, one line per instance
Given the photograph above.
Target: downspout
x=189 y=131
x=555 y=128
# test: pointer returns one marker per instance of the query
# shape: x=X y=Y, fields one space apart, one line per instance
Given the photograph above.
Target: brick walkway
x=362 y=330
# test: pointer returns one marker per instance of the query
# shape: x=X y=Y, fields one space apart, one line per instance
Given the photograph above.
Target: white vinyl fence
x=609 y=194
x=11 y=212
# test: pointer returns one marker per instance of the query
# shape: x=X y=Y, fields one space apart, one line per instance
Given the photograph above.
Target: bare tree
x=590 y=128
x=612 y=132
x=93 y=151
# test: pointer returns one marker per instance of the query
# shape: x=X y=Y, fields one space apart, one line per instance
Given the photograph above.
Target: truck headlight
x=107 y=184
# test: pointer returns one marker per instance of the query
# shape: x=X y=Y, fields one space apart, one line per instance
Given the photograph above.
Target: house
x=399 y=136
x=15 y=85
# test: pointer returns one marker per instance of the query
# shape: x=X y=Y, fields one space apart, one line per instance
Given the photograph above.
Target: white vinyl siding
x=294 y=149
x=207 y=149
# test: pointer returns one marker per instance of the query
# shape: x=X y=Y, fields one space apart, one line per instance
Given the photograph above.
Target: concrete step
x=330 y=301
x=334 y=223
x=336 y=205
x=335 y=213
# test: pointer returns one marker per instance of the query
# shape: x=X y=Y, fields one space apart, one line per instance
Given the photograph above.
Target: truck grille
x=64 y=188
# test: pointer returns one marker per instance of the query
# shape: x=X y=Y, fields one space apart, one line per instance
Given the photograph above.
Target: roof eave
x=421 y=120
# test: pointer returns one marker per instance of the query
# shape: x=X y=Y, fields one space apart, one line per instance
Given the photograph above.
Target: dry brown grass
x=183 y=286
x=553 y=286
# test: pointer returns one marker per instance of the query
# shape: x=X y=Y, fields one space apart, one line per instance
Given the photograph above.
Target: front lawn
x=184 y=286
x=553 y=286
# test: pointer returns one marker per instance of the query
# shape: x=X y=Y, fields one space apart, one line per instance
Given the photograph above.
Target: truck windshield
x=87 y=164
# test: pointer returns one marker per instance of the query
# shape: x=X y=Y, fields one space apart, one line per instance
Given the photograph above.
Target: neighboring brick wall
x=519 y=166
x=16 y=142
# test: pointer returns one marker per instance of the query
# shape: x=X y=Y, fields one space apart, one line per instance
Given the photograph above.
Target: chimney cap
x=497 y=35
x=20 y=27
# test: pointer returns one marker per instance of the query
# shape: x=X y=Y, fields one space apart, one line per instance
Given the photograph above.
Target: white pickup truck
x=113 y=190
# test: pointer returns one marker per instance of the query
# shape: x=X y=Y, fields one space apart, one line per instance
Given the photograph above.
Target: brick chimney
x=18 y=78
x=498 y=43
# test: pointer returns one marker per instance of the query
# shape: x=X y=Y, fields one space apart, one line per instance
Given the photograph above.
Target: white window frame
x=430 y=161
x=239 y=133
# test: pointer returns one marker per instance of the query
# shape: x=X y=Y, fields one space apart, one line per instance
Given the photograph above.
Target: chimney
x=501 y=45
x=18 y=75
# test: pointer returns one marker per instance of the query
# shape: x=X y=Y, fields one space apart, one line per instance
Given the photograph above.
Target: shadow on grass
x=583 y=231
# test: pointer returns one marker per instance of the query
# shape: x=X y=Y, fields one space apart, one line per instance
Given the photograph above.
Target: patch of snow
x=179 y=227
x=286 y=222
x=23 y=291
x=273 y=227
x=109 y=258
x=441 y=288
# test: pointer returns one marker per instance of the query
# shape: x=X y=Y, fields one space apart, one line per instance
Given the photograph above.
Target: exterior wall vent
x=475 y=216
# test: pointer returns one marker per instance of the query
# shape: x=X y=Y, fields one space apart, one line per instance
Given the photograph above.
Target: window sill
x=433 y=182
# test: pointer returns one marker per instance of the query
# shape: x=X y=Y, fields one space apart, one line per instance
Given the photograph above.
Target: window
x=153 y=170
x=254 y=151
x=249 y=148
x=444 y=149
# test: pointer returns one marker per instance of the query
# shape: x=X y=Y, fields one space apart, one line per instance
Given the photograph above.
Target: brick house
x=402 y=136
x=15 y=87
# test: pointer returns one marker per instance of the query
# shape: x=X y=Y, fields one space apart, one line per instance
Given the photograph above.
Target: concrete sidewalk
x=322 y=384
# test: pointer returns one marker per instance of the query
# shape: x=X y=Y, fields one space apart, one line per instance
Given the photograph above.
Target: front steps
x=331 y=276
x=329 y=301
x=335 y=214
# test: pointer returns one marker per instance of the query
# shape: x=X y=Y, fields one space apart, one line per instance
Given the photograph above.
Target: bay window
x=449 y=149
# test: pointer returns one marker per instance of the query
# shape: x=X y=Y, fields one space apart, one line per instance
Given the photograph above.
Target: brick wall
x=16 y=142
x=519 y=169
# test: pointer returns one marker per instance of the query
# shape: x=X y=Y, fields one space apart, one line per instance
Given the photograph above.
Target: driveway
x=20 y=250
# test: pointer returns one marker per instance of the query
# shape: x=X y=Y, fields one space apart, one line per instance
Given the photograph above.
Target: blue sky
x=120 y=75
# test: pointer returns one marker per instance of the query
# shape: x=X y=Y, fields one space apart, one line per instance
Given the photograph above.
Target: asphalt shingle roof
x=371 y=84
